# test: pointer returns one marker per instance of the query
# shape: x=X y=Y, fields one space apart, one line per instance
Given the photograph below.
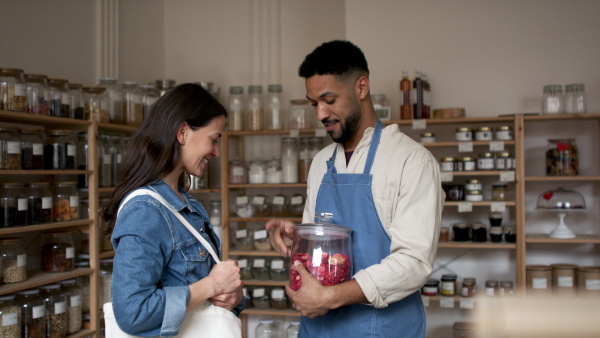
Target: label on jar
x=70 y=253
x=447 y=288
x=278 y=200
x=467 y=303
x=540 y=283
x=257 y=293
x=13 y=147
x=447 y=166
x=259 y=263
x=106 y=158
x=60 y=307
x=430 y=290
x=463 y=136
x=10 y=319
x=119 y=157
x=277 y=264
x=260 y=234
x=465 y=147
x=297 y=200
x=70 y=150
x=483 y=136
x=38 y=311
x=74 y=201
x=242 y=233
x=241 y=200
x=22 y=204
x=504 y=135
x=565 y=281
x=21 y=260
x=277 y=294
x=46 y=202
x=592 y=284
x=38 y=149
x=490 y=291
x=485 y=163
x=468 y=165
x=258 y=200
x=65 y=97
x=75 y=301
x=243 y=263
x=20 y=89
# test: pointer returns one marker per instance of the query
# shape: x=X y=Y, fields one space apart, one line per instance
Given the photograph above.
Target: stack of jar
x=261 y=205
x=261 y=268
x=478 y=231
x=574 y=101
x=254 y=112
x=449 y=287
x=563 y=280
x=111 y=149
x=268 y=298
x=472 y=191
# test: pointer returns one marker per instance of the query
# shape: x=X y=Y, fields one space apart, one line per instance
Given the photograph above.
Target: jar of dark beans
x=56 y=310
x=14 y=260
x=510 y=235
x=58 y=252
x=59 y=150
x=60 y=98
x=32 y=149
x=496 y=234
x=10 y=148
x=460 y=231
x=33 y=313
x=478 y=232
x=39 y=203
x=77 y=101
x=13 y=205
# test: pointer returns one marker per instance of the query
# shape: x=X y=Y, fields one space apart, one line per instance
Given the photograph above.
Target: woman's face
x=200 y=146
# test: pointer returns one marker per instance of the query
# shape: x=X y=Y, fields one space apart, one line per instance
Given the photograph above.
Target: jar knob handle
x=323 y=217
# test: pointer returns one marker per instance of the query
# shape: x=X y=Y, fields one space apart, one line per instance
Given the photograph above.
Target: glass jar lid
x=560 y=199
x=448 y=277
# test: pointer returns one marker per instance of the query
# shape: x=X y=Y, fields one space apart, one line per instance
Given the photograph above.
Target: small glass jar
x=575 y=102
x=278 y=270
x=507 y=288
x=59 y=150
x=244 y=240
x=293 y=329
x=261 y=206
x=13 y=205
x=510 y=235
x=77 y=101
x=274 y=116
x=503 y=133
x=427 y=137
x=289 y=160
x=115 y=147
x=39 y=203
x=266 y=329
x=164 y=85
x=38 y=92
x=562 y=157
x=257 y=172
x=214 y=213
x=14 y=260
x=261 y=240
x=469 y=163
x=448 y=285
x=10 y=317
x=235 y=108
x=504 y=161
x=133 y=111
x=500 y=192
x=260 y=269
x=255 y=111
x=296 y=205
x=65 y=205
x=538 y=279
x=431 y=288
x=10 y=148
x=484 y=134
x=81 y=158
x=447 y=164
x=83 y=283
x=149 y=97
x=279 y=300
x=260 y=298
x=496 y=233
x=73 y=296
x=486 y=161
x=58 y=252
x=460 y=232
x=444 y=234
x=492 y=288
x=96 y=104
x=382 y=107
x=104 y=161
x=237 y=172
x=454 y=192
x=32 y=149
x=552 y=100
x=106 y=271
x=60 y=98
x=300 y=113
x=473 y=184
x=279 y=206
x=473 y=196
x=13 y=91
x=115 y=100
x=245 y=270
x=274 y=171
x=56 y=310
x=247 y=292
x=464 y=134
x=469 y=287
x=243 y=207
x=304 y=159
x=478 y=232
x=495 y=218
x=33 y=313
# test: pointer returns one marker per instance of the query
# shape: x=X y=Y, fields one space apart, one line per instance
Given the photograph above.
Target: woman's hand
x=281 y=235
x=228 y=300
x=225 y=277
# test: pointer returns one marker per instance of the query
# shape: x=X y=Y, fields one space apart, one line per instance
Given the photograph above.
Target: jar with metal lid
x=13 y=205
x=33 y=313
x=279 y=206
x=96 y=104
x=448 y=285
x=564 y=281
x=325 y=249
x=468 y=163
x=104 y=161
x=115 y=100
x=106 y=271
x=83 y=283
x=510 y=235
x=13 y=91
x=575 y=102
x=164 y=85
x=447 y=164
x=486 y=161
x=469 y=287
x=293 y=329
x=273 y=171
x=266 y=328
x=478 y=232
x=444 y=234
x=235 y=108
x=65 y=206
x=504 y=161
x=149 y=96
x=539 y=279
x=279 y=300
x=10 y=148
x=460 y=232
x=257 y=172
x=274 y=108
x=58 y=252
x=473 y=196
x=552 y=100
x=278 y=270
x=245 y=269
x=588 y=280
x=77 y=101
x=260 y=269
x=39 y=203
x=244 y=240
x=60 y=98
x=132 y=103
x=562 y=157
x=261 y=240
x=73 y=296
x=484 y=134
x=237 y=172
x=492 y=288
x=304 y=159
x=56 y=310
x=507 y=288
x=38 y=92
x=300 y=115
x=496 y=233
x=32 y=149
x=255 y=109
x=14 y=260
x=464 y=134
x=503 y=133
x=427 y=137
x=454 y=192
x=431 y=288
x=473 y=184
x=296 y=205
x=10 y=317
x=59 y=150
x=289 y=160
x=243 y=206
x=500 y=192
x=261 y=205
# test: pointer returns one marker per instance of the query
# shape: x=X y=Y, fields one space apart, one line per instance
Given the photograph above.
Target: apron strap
x=373 y=147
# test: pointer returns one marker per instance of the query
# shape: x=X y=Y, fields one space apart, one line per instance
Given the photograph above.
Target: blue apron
x=349 y=198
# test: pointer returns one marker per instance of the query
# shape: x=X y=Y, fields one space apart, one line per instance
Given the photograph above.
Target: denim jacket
x=156 y=258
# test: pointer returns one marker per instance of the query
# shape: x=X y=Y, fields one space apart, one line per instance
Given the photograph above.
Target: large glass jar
x=279 y=300
x=164 y=85
x=106 y=270
x=261 y=240
x=255 y=110
x=244 y=240
x=237 y=172
x=279 y=270
x=65 y=205
x=243 y=207
x=304 y=159
x=132 y=104
x=13 y=205
x=235 y=108
x=562 y=157
x=279 y=207
x=38 y=93
x=33 y=313
x=260 y=268
x=261 y=205
x=77 y=101
x=10 y=317
x=104 y=161
x=39 y=203
x=83 y=283
x=575 y=102
x=257 y=172
x=273 y=171
x=552 y=100
x=73 y=296
x=59 y=150
x=149 y=96
x=82 y=159
x=260 y=298
x=300 y=113
x=58 y=252
x=116 y=155
x=115 y=100
x=12 y=89
x=56 y=310
x=32 y=149
x=96 y=104
x=266 y=329
x=289 y=160
x=10 y=148
x=293 y=329
x=296 y=205
x=60 y=98
x=274 y=108
x=14 y=260
x=332 y=243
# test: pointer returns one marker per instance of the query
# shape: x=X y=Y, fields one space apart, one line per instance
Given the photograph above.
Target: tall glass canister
x=274 y=107
x=575 y=102
x=132 y=104
x=10 y=148
x=149 y=96
x=33 y=313
x=255 y=111
x=58 y=252
x=289 y=160
x=13 y=205
x=12 y=89
x=56 y=310
x=14 y=260
x=77 y=102
x=10 y=317
x=60 y=98
x=38 y=93
x=73 y=296
x=115 y=100
x=96 y=104
x=235 y=108
x=32 y=149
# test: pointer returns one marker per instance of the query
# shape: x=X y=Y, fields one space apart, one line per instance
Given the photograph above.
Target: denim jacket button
x=202 y=252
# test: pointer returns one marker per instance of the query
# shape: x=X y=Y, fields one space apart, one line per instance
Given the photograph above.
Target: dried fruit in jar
x=330 y=270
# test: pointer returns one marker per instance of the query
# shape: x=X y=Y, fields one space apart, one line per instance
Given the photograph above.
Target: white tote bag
x=206 y=320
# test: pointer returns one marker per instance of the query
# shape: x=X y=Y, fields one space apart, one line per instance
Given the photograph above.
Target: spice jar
x=499 y=192
x=260 y=298
x=77 y=101
x=56 y=310
x=510 y=235
x=473 y=184
x=65 y=206
x=448 y=285
x=73 y=296
x=486 y=161
x=13 y=205
x=32 y=149
x=504 y=161
x=478 y=232
x=468 y=163
x=237 y=172
x=12 y=89
x=507 y=288
x=289 y=160
x=38 y=92
x=447 y=164
x=10 y=317
x=444 y=234
x=304 y=159
x=491 y=288
x=279 y=271
x=10 y=148
x=149 y=97
x=115 y=100
x=484 y=134
x=260 y=269
x=588 y=280
x=575 y=99
x=96 y=104
x=329 y=242
x=83 y=283
x=460 y=232
x=473 y=196
x=235 y=108
x=106 y=271
x=503 y=133
x=58 y=252
x=564 y=279
x=427 y=137
x=257 y=172
x=495 y=218
x=454 y=192
x=132 y=104
x=39 y=203
x=469 y=287
x=496 y=234
x=59 y=150
x=562 y=157
x=430 y=288
x=255 y=113
x=164 y=85
x=274 y=108
x=538 y=279
x=300 y=114
x=33 y=313
x=261 y=206
x=464 y=134
x=245 y=270
x=14 y=260
x=244 y=240
x=552 y=100
x=243 y=207
x=278 y=299
x=261 y=241
x=296 y=205
x=280 y=206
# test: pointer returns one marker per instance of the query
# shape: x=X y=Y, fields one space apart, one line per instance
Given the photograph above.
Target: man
x=386 y=189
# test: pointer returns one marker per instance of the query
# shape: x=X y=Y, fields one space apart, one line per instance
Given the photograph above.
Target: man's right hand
x=281 y=235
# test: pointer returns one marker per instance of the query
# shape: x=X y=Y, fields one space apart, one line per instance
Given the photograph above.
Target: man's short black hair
x=337 y=57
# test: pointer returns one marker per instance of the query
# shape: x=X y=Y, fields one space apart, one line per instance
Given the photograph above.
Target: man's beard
x=350 y=126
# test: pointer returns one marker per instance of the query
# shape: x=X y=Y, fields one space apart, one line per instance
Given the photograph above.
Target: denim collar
x=174 y=201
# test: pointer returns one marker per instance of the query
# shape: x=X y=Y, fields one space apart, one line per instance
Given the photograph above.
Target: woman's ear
x=182 y=133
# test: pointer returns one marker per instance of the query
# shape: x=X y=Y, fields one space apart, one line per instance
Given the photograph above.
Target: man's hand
x=281 y=235
x=228 y=300
x=312 y=299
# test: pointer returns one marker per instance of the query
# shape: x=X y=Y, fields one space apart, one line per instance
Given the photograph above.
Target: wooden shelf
x=477 y=245
x=265 y=282
x=46 y=172
x=278 y=185
x=38 y=278
x=479 y=204
x=562 y=178
x=254 y=253
x=498 y=119
x=50 y=122
x=44 y=226
x=82 y=333
x=106 y=254
x=545 y=238
x=456 y=144
x=479 y=173
x=269 y=132
x=263 y=219
x=116 y=128
x=560 y=117
x=204 y=191
x=271 y=312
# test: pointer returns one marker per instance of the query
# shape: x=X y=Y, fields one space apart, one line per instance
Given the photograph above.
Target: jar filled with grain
x=95 y=104
x=10 y=317
x=13 y=205
x=56 y=310
x=255 y=110
x=58 y=252
x=14 y=260
x=12 y=89
x=33 y=313
x=132 y=103
x=115 y=100
x=65 y=202
x=106 y=270
x=10 y=148
x=39 y=203
x=83 y=283
x=73 y=296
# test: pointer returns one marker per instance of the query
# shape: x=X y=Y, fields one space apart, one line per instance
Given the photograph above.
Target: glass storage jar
x=149 y=96
x=77 y=101
x=504 y=161
x=33 y=313
x=448 y=285
x=503 y=133
x=115 y=100
x=81 y=157
x=164 y=85
x=56 y=310
x=261 y=240
x=460 y=232
x=14 y=260
x=13 y=205
x=300 y=115
x=316 y=144
x=10 y=317
x=575 y=102
x=32 y=149
x=235 y=108
x=510 y=235
x=478 y=232
x=469 y=287
x=83 y=283
x=96 y=104
x=273 y=171
x=382 y=107
x=588 y=281
x=237 y=172
x=243 y=207
x=255 y=110
x=496 y=233
x=261 y=205
x=13 y=90
x=279 y=300
x=562 y=157
x=486 y=161
x=257 y=172
x=260 y=269
x=10 y=148
x=274 y=107
x=293 y=329
x=431 y=288
x=304 y=159
x=60 y=98
x=332 y=243
x=279 y=206
x=266 y=329
x=296 y=205
x=260 y=298
x=447 y=164
x=73 y=296
x=116 y=155
x=65 y=205
x=492 y=288
x=289 y=160
x=244 y=240
x=564 y=279
x=468 y=163
x=484 y=134
x=500 y=192
x=106 y=270
x=59 y=150
x=39 y=203
x=473 y=196
x=104 y=161
x=38 y=92
x=132 y=104
x=507 y=288
x=552 y=100
x=279 y=271
x=245 y=269
x=214 y=213
x=495 y=218
x=58 y=252
x=427 y=137
x=464 y=134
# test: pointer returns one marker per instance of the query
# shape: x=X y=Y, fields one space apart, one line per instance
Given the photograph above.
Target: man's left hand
x=312 y=299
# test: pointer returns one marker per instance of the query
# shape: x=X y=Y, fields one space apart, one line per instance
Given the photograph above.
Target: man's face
x=336 y=106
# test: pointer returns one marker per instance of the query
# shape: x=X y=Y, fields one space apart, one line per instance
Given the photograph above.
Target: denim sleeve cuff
x=177 y=298
x=240 y=307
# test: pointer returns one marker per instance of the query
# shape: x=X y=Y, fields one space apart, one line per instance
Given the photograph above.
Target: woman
x=160 y=268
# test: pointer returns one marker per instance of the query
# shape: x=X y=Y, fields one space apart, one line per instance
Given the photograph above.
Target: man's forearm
x=347 y=293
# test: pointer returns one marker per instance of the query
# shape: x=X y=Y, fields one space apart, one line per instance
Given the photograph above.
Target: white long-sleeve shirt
x=409 y=199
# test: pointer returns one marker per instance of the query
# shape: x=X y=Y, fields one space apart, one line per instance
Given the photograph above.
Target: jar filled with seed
x=132 y=104
x=562 y=158
x=260 y=269
x=260 y=298
x=14 y=260
x=115 y=100
x=56 y=310
x=13 y=205
x=95 y=104
x=278 y=270
x=73 y=296
x=261 y=205
x=60 y=98
x=10 y=148
x=10 y=317
x=32 y=149
x=278 y=299
x=39 y=203
x=38 y=93
x=58 y=252
x=486 y=161
x=33 y=313
x=12 y=89
x=106 y=270
x=244 y=240
x=65 y=204
x=59 y=150
x=83 y=283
